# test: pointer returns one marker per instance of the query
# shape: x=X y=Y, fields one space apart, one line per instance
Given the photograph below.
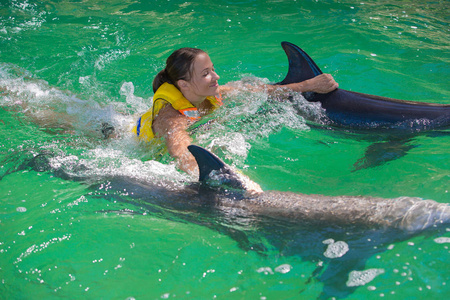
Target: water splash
x=50 y=107
x=27 y=17
x=251 y=114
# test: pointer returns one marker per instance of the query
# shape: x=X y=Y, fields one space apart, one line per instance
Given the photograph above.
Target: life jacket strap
x=191 y=112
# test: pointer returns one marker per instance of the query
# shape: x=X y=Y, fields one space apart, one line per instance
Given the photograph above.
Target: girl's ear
x=182 y=83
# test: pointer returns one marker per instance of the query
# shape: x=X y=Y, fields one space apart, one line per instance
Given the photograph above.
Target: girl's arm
x=171 y=125
x=321 y=84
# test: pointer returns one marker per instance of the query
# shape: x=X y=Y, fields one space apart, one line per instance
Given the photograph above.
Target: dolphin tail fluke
x=301 y=66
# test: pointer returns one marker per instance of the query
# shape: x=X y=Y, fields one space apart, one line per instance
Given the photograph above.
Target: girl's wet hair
x=178 y=66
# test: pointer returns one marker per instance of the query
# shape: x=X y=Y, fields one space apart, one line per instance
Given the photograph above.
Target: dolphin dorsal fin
x=211 y=167
x=301 y=66
x=207 y=162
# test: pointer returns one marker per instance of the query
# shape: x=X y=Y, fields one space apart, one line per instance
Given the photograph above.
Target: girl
x=187 y=89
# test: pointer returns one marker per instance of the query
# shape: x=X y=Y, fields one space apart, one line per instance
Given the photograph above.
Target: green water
x=94 y=61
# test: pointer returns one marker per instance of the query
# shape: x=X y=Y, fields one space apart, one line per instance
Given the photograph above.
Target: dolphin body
x=404 y=213
x=288 y=223
x=357 y=110
x=220 y=188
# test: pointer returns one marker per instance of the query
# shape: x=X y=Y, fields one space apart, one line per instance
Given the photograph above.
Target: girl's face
x=204 y=80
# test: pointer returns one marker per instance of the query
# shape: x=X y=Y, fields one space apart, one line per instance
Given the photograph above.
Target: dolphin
x=267 y=222
x=222 y=188
x=404 y=213
x=358 y=110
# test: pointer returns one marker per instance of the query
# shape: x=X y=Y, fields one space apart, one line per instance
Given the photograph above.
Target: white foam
x=283 y=269
x=442 y=240
x=21 y=209
x=265 y=270
x=335 y=249
x=359 y=278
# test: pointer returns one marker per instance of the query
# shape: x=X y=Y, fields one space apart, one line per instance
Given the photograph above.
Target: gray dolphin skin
x=357 y=110
x=223 y=190
x=405 y=213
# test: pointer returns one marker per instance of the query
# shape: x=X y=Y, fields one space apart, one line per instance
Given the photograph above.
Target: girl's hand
x=322 y=84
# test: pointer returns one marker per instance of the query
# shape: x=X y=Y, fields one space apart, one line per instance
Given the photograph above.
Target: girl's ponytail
x=160 y=78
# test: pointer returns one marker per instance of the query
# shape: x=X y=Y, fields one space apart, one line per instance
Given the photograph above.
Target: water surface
x=68 y=66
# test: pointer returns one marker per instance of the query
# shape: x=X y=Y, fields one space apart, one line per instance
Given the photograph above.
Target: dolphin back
x=358 y=110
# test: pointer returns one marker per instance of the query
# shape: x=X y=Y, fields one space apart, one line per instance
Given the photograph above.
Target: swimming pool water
x=94 y=61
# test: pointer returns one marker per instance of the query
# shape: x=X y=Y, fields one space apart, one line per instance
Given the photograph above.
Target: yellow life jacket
x=168 y=94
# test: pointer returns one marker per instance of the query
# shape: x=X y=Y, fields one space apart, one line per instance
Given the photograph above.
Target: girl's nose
x=216 y=76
